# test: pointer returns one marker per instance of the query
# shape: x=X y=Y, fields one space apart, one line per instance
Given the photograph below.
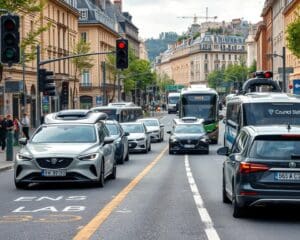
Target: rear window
x=276 y=148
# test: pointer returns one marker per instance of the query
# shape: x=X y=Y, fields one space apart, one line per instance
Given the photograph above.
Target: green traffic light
x=9 y=53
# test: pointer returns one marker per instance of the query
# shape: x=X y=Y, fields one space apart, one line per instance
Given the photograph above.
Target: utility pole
x=37 y=93
x=283 y=70
x=104 y=97
x=24 y=82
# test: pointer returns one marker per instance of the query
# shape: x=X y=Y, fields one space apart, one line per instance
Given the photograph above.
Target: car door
x=162 y=129
x=107 y=149
x=232 y=162
x=124 y=140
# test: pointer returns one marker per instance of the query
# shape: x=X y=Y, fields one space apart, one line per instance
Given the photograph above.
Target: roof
x=188 y=120
x=198 y=90
x=115 y=107
x=146 y=119
x=132 y=123
x=265 y=97
x=273 y=130
x=75 y=116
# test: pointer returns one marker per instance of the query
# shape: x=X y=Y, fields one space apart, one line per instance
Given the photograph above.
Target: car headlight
x=203 y=140
x=89 y=157
x=23 y=157
x=174 y=140
x=141 y=139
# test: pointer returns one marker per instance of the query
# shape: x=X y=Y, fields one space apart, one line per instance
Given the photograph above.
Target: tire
x=100 y=182
x=225 y=199
x=170 y=151
x=238 y=211
x=206 y=151
x=20 y=185
x=149 y=148
x=113 y=174
x=215 y=141
x=120 y=160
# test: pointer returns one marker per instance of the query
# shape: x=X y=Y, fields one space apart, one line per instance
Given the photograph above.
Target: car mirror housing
x=169 y=132
x=223 y=151
x=126 y=134
x=221 y=116
x=162 y=125
x=108 y=140
x=23 y=141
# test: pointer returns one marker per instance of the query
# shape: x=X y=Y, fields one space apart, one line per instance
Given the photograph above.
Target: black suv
x=263 y=167
x=188 y=136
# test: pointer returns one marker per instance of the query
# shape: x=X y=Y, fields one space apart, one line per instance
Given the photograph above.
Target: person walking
x=17 y=127
x=3 y=133
x=25 y=125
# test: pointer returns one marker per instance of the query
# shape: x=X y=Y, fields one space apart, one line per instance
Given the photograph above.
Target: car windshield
x=113 y=129
x=150 y=122
x=275 y=149
x=173 y=100
x=65 y=134
x=111 y=113
x=133 y=128
x=189 y=128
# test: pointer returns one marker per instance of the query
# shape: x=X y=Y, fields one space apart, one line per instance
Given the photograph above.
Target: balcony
x=85 y=86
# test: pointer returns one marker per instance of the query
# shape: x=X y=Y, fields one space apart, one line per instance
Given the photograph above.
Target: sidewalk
x=6 y=165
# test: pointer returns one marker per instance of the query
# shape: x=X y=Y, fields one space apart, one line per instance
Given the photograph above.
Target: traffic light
x=122 y=53
x=10 y=39
x=65 y=93
x=46 y=82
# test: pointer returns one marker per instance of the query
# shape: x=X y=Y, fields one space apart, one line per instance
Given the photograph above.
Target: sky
x=155 y=16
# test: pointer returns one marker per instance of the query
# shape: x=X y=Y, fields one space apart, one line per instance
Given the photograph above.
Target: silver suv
x=72 y=146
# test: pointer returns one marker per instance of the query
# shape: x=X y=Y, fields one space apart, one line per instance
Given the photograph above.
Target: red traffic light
x=268 y=74
x=121 y=45
x=9 y=24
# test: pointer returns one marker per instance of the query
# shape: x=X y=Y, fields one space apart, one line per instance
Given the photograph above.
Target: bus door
x=232 y=123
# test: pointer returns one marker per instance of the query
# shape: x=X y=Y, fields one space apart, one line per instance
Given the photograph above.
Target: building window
x=235 y=57
x=223 y=66
x=205 y=67
x=85 y=78
x=223 y=56
x=216 y=66
x=83 y=36
x=206 y=56
x=83 y=14
x=229 y=56
x=217 y=56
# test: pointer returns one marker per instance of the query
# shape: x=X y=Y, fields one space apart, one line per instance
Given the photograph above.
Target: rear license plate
x=54 y=172
x=286 y=176
x=189 y=146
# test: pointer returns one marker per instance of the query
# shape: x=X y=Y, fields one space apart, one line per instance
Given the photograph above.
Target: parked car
x=121 y=140
x=139 y=138
x=72 y=146
x=263 y=167
x=154 y=127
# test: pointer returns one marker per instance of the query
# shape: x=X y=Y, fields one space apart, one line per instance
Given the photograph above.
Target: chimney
x=118 y=4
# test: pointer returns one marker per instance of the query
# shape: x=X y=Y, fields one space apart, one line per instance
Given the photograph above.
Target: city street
x=163 y=203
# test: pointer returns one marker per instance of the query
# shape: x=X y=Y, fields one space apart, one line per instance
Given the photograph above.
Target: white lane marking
x=210 y=231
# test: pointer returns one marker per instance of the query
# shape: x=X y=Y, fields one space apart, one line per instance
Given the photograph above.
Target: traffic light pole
x=39 y=63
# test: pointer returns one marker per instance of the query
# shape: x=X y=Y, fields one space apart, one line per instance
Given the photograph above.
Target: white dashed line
x=210 y=231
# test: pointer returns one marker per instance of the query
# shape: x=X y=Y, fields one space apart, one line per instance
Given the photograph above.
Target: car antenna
x=289 y=127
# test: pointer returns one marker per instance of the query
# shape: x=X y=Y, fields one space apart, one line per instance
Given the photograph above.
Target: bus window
x=124 y=115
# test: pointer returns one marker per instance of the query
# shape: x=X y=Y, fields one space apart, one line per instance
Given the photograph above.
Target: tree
x=80 y=63
x=216 y=78
x=293 y=36
x=252 y=68
x=162 y=81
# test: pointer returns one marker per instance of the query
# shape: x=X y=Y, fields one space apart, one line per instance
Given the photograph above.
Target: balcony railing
x=86 y=84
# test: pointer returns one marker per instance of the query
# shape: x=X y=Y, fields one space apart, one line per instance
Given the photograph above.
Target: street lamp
x=283 y=66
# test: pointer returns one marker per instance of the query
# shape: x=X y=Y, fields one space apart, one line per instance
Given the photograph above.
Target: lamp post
x=283 y=66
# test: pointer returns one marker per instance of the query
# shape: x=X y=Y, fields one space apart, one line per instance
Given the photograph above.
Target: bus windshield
x=272 y=113
x=199 y=105
x=111 y=113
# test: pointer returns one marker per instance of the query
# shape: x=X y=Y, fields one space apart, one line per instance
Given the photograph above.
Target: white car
x=139 y=138
x=154 y=127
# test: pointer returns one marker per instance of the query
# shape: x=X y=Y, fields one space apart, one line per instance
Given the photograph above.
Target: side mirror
x=221 y=117
x=161 y=125
x=169 y=132
x=108 y=140
x=224 y=120
x=23 y=141
x=126 y=134
x=223 y=151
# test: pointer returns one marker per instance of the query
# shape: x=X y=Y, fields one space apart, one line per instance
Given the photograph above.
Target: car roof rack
x=75 y=115
x=188 y=120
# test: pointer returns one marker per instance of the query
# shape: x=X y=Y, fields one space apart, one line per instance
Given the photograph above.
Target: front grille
x=186 y=141
x=70 y=177
x=54 y=163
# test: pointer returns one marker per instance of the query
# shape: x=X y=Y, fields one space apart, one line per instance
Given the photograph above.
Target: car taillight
x=252 y=167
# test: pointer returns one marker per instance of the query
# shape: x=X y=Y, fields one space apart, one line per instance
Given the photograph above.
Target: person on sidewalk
x=25 y=125
x=17 y=127
x=3 y=133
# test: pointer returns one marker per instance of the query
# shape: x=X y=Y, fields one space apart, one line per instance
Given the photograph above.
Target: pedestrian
x=43 y=118
x=25 y=125
x=3 y=133
x=17 y=127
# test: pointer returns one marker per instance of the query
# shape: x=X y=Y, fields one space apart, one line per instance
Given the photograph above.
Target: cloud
x=155 y=16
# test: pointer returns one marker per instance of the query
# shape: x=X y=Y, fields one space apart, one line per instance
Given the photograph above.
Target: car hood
x=53 y=149
x=189 y=136
x=152 y=128
x=133 y=136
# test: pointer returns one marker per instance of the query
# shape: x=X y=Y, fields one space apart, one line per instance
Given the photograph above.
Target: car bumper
x=204 y=147
x=76 y=171
x=136 y=146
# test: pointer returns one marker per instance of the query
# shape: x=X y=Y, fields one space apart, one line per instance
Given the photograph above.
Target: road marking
x=210 y=231
x=88 y=230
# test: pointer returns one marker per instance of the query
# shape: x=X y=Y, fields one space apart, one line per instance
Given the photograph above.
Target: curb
x=5 y=168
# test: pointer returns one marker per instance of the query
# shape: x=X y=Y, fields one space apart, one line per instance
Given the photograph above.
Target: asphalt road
x=176 y=197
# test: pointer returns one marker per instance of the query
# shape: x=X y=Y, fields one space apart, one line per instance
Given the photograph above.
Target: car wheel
x=238 y=211
x=214 y=141
x=120 y=160
x=171 y=151
x=20 y=185
x=225 y=199
x=113 y=174
x=101 y=177
x=206 y=151
x=149 y=148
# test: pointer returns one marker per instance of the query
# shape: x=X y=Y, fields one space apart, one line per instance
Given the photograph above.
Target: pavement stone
x=6 y=165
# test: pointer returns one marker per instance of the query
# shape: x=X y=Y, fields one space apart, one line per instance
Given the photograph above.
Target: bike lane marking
x=89 y=229
x=210 y=231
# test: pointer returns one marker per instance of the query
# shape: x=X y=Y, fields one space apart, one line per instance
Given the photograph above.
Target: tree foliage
x=293 y=36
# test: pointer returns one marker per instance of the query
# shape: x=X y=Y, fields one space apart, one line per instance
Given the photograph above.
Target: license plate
x=189 y=146
x=54 y=172
x=293 y=176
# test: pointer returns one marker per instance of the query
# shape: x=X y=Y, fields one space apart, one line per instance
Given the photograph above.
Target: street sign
x=287 y=70
x=172 y=88
x=13 y=86
x=99 y=101
x=296 y=86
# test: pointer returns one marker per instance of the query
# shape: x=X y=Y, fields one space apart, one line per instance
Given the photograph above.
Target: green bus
x=201 y=102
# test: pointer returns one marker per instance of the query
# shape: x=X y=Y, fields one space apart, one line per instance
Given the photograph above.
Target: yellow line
x=87 y=231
